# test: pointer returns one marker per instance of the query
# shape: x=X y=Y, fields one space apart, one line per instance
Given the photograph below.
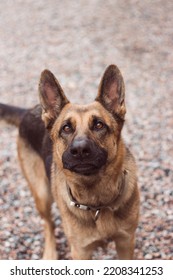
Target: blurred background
x=77 y=40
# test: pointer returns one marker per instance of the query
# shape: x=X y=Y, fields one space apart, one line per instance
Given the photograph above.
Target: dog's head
x=85 y=137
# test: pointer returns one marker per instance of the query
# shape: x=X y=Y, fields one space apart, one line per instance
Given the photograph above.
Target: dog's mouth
x=83 y=168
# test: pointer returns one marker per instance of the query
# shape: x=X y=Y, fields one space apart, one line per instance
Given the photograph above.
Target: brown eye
x=98 y=125
x=67 y=128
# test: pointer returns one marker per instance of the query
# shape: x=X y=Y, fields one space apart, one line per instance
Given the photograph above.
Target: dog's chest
x=105 y=228
x=106 y=224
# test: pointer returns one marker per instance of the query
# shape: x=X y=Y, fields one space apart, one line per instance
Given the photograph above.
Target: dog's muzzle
x=84 y=156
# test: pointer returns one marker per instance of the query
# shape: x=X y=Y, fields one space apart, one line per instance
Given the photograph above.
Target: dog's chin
x=84 y=170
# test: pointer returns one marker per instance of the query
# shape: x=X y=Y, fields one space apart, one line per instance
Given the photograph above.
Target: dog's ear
x=111 y=92
x=52 y=98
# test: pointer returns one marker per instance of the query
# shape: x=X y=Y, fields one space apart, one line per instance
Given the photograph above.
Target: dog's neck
x=112 y=205
x=96 y=191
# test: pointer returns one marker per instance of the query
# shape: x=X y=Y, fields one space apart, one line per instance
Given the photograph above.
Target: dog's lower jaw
x=83 y=171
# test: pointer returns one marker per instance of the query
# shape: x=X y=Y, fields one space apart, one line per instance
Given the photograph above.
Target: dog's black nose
x=80 y=148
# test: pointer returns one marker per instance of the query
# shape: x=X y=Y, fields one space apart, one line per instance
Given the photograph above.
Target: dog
x=75 y=155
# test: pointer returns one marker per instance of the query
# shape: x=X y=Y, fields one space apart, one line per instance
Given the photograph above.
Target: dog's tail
x=11 y=114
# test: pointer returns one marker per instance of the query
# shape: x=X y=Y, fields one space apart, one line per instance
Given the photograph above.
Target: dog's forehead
x=85 y=111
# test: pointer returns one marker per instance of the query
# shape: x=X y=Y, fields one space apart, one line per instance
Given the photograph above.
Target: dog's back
x=31 y=130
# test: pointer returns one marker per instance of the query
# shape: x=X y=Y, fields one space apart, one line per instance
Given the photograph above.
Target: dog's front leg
x=79 y=253
x=125 y=247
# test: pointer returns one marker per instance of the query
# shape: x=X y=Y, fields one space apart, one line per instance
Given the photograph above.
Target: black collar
x=116 y=200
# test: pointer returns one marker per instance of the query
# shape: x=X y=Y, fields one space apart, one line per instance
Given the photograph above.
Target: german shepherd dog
x=75 y=155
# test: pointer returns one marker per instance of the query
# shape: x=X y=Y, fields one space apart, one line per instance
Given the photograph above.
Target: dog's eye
x=67 y=128
x=98 y=125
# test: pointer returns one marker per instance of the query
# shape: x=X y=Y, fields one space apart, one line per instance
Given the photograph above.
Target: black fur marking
x=32 y=130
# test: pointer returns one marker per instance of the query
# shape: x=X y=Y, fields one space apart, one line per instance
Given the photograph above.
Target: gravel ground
x=76 y=40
